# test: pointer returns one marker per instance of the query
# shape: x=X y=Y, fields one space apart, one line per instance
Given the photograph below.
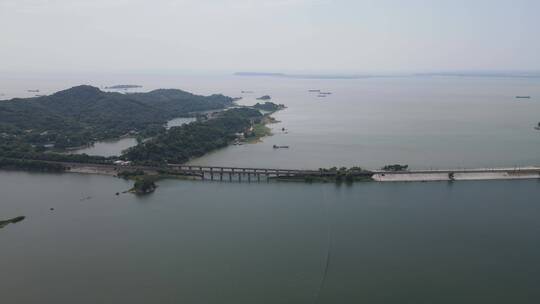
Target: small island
x=11 y=221
x=269 y=106
x=265 y=97
x=144 y=185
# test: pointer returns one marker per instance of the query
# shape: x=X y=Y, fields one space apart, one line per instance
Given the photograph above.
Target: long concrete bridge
x=240 y=174
x=223 y=173
x=244 y=173
x=220 y=173
x=230 y=173
x=257 y=174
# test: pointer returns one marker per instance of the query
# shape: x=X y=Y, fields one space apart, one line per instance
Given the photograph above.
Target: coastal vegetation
x=16 y=148
x=30 y=165
x=260 y=128
x=332 y=175
x=395 y=167
x=144 y=185
x=179 y=144
x=269 y=106
x=258 y=131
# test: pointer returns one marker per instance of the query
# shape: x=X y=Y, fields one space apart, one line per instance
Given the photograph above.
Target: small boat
x=313 y=91
x=320 y=95
x=523 y=97
x=326 y=93
x=33 y=91
x=280 y=147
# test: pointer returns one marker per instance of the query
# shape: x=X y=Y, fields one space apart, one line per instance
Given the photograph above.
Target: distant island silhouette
x=490 y=74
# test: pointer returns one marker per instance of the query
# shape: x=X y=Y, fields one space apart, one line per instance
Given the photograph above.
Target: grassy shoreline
x=261 y=129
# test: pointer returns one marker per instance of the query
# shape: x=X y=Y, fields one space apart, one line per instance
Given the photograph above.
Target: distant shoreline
x=523 y=75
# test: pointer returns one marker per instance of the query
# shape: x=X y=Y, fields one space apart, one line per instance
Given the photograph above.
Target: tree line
x=179 y=144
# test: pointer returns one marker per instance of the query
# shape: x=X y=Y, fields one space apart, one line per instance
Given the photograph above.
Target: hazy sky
x=352 y=36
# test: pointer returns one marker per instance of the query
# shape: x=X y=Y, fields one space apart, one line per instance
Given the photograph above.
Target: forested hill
x=179 y=144
x=84 y=114
x=180 y=102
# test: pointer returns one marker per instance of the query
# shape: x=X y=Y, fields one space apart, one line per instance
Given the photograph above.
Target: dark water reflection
x=195 y=242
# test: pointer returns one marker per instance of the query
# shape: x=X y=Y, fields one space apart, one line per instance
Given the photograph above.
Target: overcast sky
x=351 y=36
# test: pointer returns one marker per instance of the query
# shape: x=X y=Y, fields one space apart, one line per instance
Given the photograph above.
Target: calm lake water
x=116 y=147
x=211 y=242
x=423 y=122
x=426 y=122
x=108 y=148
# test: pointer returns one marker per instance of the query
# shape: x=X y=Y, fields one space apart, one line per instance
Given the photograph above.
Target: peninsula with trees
x=36 y=133
x=82 y=115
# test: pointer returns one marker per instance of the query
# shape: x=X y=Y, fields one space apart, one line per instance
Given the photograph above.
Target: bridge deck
x=220 y=171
